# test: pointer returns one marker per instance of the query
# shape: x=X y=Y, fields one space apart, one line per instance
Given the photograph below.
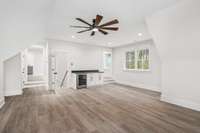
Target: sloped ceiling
x=176 y=31
x=22 y=23
x=130 y=13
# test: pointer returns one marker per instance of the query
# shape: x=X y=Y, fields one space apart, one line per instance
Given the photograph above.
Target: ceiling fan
x=95 y=26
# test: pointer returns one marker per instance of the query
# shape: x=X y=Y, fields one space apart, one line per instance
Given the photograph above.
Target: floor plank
x=106 y=109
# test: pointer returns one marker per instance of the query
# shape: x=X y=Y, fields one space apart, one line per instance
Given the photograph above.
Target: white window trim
x=136 y=57
x=137 y=70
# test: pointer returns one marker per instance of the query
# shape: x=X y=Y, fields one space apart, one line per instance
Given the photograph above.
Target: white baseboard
x=2 y=102
x=13 y=92
x=181 y=102
x=157 y=89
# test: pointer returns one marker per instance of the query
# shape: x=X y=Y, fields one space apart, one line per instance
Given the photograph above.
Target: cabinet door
x=94 y=79
x=99 y=79
x=90 y=80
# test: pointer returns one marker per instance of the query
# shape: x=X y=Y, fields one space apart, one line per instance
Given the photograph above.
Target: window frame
x=134 y=59
x=136 y=51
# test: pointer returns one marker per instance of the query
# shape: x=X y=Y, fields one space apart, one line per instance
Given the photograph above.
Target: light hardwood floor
x=107 y=109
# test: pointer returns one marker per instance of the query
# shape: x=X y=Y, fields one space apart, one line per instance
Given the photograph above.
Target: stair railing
x=63 y=80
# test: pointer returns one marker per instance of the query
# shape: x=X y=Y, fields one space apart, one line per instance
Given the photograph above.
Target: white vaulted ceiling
x=130 y=13
x=31 y=19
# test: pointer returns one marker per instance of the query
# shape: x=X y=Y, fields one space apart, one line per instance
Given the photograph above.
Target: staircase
x=34 y=81
x=108 y=80
x=31 y=84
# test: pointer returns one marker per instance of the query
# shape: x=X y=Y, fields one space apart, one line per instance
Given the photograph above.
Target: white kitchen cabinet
x=94 y=79
x=99 y=79
x=90 y=79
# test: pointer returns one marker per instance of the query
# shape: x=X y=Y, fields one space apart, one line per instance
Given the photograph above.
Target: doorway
x=35 y=66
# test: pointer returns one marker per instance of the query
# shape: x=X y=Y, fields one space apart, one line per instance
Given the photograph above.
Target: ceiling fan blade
x=79 y=26
x=104 y=32
x=84 y=31
x=83 y=21
x=110 y=23
x=93 y=33
x=98 y=19
x=93 y=22
x=110 y=28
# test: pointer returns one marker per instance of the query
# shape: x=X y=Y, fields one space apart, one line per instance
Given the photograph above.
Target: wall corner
x=2 y=102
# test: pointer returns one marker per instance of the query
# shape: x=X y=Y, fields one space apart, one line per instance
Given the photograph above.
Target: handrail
x=62 y=83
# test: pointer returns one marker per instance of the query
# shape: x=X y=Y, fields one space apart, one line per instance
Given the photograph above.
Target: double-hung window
x=130 y=60
x=137 y=60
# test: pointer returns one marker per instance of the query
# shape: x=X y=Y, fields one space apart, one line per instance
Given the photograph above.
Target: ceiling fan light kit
x=95 y=26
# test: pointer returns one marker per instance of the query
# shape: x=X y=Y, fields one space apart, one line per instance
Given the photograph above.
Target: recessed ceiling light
x=140 y=34
x=73 y=37
x=95 y=29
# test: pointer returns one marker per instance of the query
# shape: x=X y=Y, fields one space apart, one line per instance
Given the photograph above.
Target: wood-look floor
x=106 y=109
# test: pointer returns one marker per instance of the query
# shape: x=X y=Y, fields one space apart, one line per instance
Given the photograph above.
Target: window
x=130 y=60
x=107 y=60
x=137 y=60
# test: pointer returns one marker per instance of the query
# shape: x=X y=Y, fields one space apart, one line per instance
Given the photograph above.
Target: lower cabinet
x=99 y=79
x=94 y=79
x=90 y=80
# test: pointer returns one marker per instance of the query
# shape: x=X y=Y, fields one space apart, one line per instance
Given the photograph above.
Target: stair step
x=35 y=85
x=34 y=82
x=108 y=80
x=31 y=84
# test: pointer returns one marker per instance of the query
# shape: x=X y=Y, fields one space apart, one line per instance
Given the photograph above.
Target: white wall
x=176 y=32
x=1 y=84
x=13 y=76
x=46 y=63
x=149 y=79
x=82 y=56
